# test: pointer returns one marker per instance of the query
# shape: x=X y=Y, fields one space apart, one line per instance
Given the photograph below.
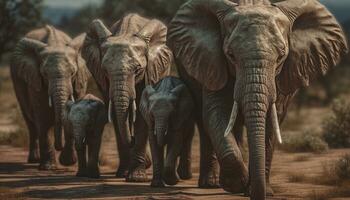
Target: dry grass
x=302 y=158
x=337 y=174
x=296 y=177
x=306 y=141
x=336 y=129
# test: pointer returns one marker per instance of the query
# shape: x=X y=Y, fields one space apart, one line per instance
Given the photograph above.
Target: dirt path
x=21 y=180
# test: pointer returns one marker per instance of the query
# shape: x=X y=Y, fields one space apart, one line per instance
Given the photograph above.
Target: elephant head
x=53 y=65
x=87 y=114
x=165 y=108
x=133 y=52
x=267 y=48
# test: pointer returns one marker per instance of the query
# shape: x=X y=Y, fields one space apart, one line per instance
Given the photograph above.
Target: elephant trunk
x=79 y=136
x=60 y=94
x=122 y=106
x=161 y=131
x=255 y=109
x=255 y=93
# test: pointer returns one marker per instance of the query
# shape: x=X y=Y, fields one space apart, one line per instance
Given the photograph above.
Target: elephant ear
x=82 y=76
x=317 y=43
x=25 y=62
x=144 y=103
x=91 y=52
x=196 y=39
x=160 y=57
x=184 y=105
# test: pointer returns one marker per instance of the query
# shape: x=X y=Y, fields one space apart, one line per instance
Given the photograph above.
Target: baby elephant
x=167 y=107
x=84 y=121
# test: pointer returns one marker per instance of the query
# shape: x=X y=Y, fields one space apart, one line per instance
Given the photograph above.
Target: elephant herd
x=240 y=62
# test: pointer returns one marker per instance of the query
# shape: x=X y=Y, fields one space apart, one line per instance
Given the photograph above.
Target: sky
x=341 y=8
x=70 y=3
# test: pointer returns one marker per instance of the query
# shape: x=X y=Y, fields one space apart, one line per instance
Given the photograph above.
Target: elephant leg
x=184 y=168
x=68 y=156
x=216 y=111
x=22 y=97
x=82 y=170
x=174 y=147
x=137 y=168
x=208 y=176
x=158 y=161
x=93 y=170
x=34 y=154
x=47 y=153
x=123 y=152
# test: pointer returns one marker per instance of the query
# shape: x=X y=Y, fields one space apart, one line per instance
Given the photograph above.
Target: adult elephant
x=46 y=71
x=250 y=58
x=123 y=60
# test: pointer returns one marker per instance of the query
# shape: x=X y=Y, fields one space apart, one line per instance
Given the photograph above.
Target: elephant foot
x=269 y=190
x=148 y=162
x=34 y=156
x=93 y=172
x=122 y=171
x=170 y=177
x=81 y=173
x=184 y=172
x=208 y=180
x=137 y=175
x=233 y=175
x=67 y=157
x=157 y=183
x=47 y=165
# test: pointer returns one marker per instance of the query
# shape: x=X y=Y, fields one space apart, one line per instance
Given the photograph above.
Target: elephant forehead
x=79 y=112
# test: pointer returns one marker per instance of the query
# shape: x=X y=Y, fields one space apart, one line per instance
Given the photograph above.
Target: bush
x=342 y=167
x=336 y=129
x=304 y=142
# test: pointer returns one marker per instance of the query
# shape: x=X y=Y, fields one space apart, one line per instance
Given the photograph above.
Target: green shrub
x=336 y=129
x=304 y=142
x=342 y=167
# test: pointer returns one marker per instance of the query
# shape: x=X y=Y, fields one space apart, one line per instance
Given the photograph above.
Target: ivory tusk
x=72 y=98
x=110 y=111
x=134 y=111
x=275 y=123
x=232 y=121
x=50 y=102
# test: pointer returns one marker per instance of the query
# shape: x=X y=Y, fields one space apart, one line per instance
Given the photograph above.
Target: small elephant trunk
x=161 y=131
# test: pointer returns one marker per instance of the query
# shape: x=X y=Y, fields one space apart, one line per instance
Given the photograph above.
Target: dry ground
x=294 y=175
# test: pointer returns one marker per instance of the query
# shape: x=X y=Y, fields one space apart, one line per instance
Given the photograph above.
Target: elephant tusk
x=72 y=98
x=50 y=102
x=134 y=111
x=232 y=121
x=110 y=111
x=275 y=123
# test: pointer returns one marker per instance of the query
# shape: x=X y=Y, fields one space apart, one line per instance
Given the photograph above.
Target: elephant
x=84 y=121
x=244 y=61
x=123 y=60
x=168 y=107
x=47 y=70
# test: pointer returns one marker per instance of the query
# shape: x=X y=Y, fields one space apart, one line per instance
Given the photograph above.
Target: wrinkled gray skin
x=254 y=55
x=84 y=121
x=167 y=107
x=46 y=71
x=123 y=60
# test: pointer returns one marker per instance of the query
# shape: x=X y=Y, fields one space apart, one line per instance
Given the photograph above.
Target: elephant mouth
x=273 y=115
x=130 y=118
